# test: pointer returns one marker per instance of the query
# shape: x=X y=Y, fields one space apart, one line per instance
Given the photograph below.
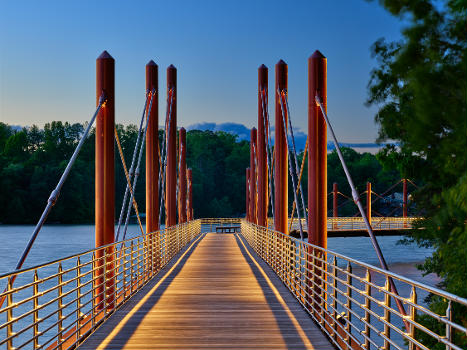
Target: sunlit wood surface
x=214 y=297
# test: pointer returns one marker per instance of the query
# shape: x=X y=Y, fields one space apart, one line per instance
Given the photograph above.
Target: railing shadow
x=284 y=322
x=130 y=326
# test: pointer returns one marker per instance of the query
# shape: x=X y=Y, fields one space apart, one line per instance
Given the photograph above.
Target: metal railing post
x=78 y=298
x=367 y=309
x=413 y=316
x=348 y=303
x=334 y=296
x=94 y=292
x=60 y=307
x=387 y=314
x=36 y=312
x=448 y=326
x=9 y=317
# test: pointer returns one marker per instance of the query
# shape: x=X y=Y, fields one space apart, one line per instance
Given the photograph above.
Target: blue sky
x=48 y=51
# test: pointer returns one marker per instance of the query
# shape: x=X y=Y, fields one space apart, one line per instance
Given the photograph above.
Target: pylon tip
x=104 y=55
x=317 y=54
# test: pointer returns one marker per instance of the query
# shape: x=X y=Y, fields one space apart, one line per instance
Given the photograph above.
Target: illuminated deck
x=217 y=295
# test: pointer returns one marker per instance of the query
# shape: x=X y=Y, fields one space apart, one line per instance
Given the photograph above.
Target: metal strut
x=132 y=166
x=290 y=163
x=127 y=176
x=55 y=193
x=294 y=151
x=356 y=198
x=140 y=154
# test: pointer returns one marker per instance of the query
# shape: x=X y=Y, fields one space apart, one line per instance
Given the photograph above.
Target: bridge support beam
x=368 y=201
x=281 y=153
x=261 y=148
x=152 y=151
x=253 y=179
x=317 y=176
x=105 y=183
x=171 y=172
x=189 y=213
x=247 y=194
x=152 y=165
x=182 y=177
x=317 y=154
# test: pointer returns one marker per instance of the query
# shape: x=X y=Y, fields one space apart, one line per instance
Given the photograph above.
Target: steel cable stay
x=374 y=241
x=269 y=159
x=292 y=175
x=140 y=154
x=122 y=210
x=162 y=159
x=294 y=151
x=298 y=190
x=299 y=182
x=127 y=177
x=55 y=193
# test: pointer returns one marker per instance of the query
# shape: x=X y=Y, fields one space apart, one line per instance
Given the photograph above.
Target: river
x=56 y=241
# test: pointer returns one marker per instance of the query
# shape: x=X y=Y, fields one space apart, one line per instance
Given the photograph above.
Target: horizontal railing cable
x=56 y=192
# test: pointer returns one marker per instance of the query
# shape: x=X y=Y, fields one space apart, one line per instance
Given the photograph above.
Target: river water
x=57 y=241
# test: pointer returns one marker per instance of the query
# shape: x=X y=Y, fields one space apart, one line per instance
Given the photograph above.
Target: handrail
x=357 y=223
x=55 y=305
x=351 y=300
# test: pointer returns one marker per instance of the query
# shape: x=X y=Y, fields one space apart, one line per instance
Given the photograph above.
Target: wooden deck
x=215 y=295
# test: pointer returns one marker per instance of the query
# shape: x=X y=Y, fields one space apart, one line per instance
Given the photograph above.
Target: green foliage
x=218 y=162
x=364 y=167
x=420 y=87
x=32 y=160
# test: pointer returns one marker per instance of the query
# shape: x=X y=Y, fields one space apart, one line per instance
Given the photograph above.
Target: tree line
x=33 y=159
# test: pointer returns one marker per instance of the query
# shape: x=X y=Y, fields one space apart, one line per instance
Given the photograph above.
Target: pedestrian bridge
x=188 y=287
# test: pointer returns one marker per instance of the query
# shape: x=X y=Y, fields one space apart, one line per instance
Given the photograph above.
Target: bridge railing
x=357 y=223
x=57 y=304
x=211 y=224
x=353 y=302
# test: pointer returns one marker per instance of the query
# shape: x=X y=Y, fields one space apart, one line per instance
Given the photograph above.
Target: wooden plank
x=215 y=297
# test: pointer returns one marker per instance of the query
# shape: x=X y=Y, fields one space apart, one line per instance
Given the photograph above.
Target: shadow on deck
x=216 y=294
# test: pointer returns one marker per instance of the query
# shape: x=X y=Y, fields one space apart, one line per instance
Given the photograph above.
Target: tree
x=420 y=89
